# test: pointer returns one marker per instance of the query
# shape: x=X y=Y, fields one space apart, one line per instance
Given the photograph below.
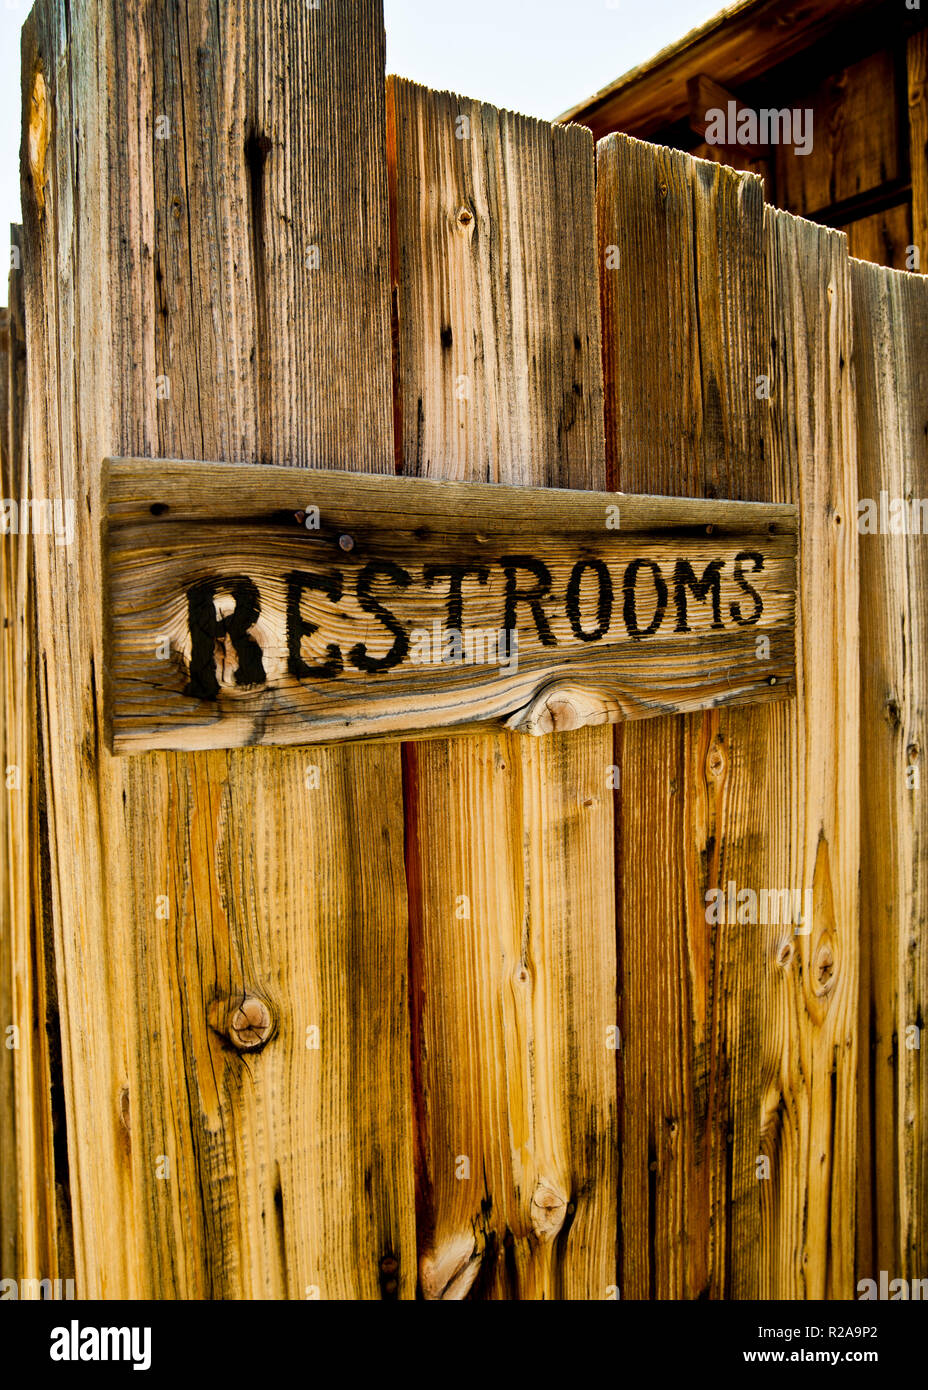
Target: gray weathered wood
x=183 y=160
x=628 y=625
x=891 y=366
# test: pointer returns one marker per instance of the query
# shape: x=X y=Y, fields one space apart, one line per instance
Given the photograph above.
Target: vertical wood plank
x=37 y=1232
x=740 y=1039
x=917 y=66
x=509 y=840
x=737 y=158
x=851 y=152
x=891 y=365
x=180 y=308
x=810 y=1000
x=9 y=1220
x=884 y=237
x=681 y=257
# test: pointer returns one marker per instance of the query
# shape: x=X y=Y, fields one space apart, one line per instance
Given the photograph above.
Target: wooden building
x=860 y=66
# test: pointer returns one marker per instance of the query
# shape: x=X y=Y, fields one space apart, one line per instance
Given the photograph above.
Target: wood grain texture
x=703 y=94
x=917 y=73
x=853 y=149
x=509 y=842
x=891 y=365
x=683 y=414
x=883 y=237
x=735 y=46
x=740 y=1040
x=743 y=161
x=40 y=1220
x=9 y=1219
x=184 y=492
x=180 y=310
x=810 y=985
x=646 y=606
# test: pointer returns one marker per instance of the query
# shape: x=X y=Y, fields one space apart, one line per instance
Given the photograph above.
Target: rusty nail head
x=346 y=542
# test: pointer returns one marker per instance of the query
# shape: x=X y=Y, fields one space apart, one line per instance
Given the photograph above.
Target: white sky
x=535 y=56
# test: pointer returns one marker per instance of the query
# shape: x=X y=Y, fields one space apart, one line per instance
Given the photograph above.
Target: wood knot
x=250 y=1025
x=823 y=968
x=125 y=1119
x=245 y=1021
x=549 y=1209
x=464 y=220
x=558 y=708
x=715 y=762
x=562 y=714
x=389 y=1280
x=447 y=1273
x=38 y=138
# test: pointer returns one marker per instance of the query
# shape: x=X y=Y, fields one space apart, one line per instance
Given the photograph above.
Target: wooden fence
x=511 y=1056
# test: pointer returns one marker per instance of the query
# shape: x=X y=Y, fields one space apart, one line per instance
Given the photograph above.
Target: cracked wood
x=411 y=606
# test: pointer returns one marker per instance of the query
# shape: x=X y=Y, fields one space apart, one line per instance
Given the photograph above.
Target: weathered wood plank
x=186 y=492
x=891 y=366
x=509 y=845
x=37 y=1241
x=9 y=1218
x=917 y=71
x=743 y=161
x=852 y=149
x=762 y=1025
x=182 y=310
x=810 y=986
x=883 y=237
x=684 y=346
x=415 y=606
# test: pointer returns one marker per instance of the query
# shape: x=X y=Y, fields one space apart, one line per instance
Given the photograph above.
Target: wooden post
x=211 y=280
x=917 y=67
x=9 y=1220
x=37 y=1224
x=713 y=1189
x=681 y=255
x=811 y=985
x=510 y=850
x=891 y=365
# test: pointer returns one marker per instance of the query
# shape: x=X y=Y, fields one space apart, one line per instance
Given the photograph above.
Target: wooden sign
x=251 y=604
